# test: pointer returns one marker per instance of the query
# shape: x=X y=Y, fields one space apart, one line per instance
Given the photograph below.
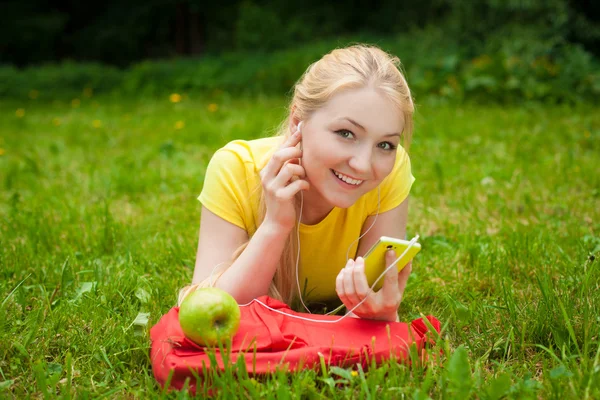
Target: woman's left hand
x=352 y=287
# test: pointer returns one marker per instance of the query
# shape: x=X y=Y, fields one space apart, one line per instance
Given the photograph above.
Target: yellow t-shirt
x=232 y=189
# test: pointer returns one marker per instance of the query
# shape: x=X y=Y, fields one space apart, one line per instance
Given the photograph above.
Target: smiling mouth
x=346 y=179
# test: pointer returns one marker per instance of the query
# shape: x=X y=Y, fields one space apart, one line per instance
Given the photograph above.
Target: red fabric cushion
x=268 y=340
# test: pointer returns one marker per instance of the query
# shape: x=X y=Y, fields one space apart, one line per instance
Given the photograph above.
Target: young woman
x=292 y=215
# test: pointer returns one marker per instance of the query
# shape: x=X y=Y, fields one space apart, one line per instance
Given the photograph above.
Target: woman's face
x=349 y=145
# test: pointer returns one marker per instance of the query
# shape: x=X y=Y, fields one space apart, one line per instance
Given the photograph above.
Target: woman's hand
x=281 y=180
x=352 y=287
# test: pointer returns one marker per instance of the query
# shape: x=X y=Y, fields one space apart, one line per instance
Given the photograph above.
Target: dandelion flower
x=20 y=113
x=88 y=92
x=354 y=373
x=179 y=125
x=212 y=107
x=97 y=123
x=587 y=134
x=175 y=98
x=56 y=121
x=2 y=151
x=33 y=94
x=75 y=103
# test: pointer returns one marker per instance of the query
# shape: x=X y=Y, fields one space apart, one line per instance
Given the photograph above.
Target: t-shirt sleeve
x=225 y=190
x=396 y=186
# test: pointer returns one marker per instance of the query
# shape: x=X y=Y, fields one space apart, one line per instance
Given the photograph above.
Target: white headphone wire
x=347 y=251
x=410 y=244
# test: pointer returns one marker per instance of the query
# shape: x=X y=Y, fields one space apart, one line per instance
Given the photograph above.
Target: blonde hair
x=353 y=67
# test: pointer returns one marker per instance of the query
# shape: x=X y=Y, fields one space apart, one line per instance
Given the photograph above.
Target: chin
x=341 y=201
x=344 y=203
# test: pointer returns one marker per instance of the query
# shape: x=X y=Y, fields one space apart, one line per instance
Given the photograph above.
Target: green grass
x=99 y=224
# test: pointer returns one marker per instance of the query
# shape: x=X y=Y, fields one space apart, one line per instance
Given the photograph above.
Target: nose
x=361 y=162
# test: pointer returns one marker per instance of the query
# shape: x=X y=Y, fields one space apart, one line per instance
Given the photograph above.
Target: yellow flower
x=354 y=373
x=2 y=151
x=587 y=134
x=33 y=94
x=97 y=123
x=175 y=98
x=481 y=61
x=75 y=103
x=212 y=107
x=88 y=92
x=20 y=113
x=56 y=121
x=453 y=82
x=179 y=125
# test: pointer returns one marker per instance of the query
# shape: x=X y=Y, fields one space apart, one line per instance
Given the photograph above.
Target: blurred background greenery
x=481 y=50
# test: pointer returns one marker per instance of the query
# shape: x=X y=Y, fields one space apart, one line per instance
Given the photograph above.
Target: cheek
x=384 y=167
x=318 y=158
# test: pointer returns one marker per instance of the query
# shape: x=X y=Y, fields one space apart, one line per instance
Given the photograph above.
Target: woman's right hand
x=281 y=179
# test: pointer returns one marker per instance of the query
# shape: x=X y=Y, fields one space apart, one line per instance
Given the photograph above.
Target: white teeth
x=347 y=179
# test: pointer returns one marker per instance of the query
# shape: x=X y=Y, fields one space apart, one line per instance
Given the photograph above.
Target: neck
x=314 y=209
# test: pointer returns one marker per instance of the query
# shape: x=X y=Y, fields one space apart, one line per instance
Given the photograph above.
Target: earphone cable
x=410 y=244
x=347 y=251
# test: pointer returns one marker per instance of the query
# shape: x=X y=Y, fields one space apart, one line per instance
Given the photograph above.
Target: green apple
x=209 y=316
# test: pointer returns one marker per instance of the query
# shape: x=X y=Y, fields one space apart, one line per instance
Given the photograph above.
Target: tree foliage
x=120 y=33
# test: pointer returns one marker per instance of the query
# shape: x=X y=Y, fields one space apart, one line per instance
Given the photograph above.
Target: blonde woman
x=333 y=180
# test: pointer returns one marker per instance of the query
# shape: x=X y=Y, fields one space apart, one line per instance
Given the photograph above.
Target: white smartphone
x=375 y=257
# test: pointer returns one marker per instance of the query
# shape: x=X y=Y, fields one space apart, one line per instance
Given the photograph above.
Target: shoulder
x=253 y=154
x=394 y=189
x=401 y=171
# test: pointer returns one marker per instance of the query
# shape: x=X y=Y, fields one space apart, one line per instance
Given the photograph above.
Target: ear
x=294 y=120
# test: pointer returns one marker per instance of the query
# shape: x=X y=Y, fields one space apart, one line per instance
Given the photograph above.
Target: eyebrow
x=363 y=128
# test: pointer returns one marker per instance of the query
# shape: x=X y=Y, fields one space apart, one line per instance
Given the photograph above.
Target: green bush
x=512 y=65
x=59 y=80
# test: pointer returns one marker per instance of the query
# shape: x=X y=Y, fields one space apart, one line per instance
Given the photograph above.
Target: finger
x=390 y=283
x=289 y=191
x=296 y=161
x=292 y=140
x=349 y=288
x=339 y=287
x=293 y=161
x=278 y=159
x=288 y=171
x=360 y=279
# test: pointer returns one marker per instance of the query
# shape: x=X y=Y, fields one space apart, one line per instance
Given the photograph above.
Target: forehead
x=367 y=106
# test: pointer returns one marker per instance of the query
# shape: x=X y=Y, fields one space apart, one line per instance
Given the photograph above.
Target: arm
x=251 y=274
x=219 y=239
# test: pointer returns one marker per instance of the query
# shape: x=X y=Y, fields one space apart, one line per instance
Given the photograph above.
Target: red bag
x=268 y=340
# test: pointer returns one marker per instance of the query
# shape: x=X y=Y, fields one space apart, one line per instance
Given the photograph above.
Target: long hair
x=353 y=67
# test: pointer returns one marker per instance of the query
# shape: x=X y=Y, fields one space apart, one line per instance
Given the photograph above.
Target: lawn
x=99 y=224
